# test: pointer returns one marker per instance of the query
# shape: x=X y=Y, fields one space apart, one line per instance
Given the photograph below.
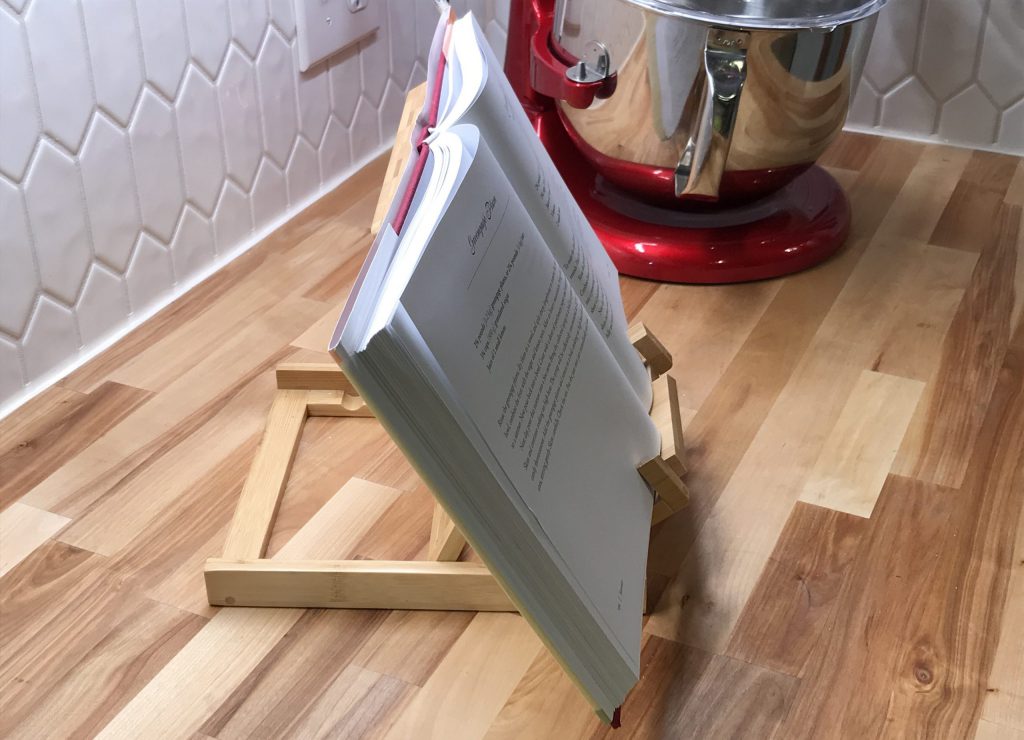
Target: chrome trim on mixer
x=699 y=171
x=594 y=65
x=700 y=110
x=777 y=14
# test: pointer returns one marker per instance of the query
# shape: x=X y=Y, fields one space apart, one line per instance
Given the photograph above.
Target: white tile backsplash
x=202 y=141
x=192 y=246
x=110 y=192
x=1011 y=127
x=364 y=132
x=103 y=305
x=209 y=33
x=116 y=55
x=61 y=69
x=12 y=380
x=17 y=265
x=240 y=115
x=56 y=216
x=946 y=70
x=18 y=109
x=970 y=117
x=345 y=84
x=303 y=172
x=50 y=332
x=275 y=79
x=248 y=23
x=164 y=43
x=335 y=149
x=132 y=132
x=282 y=15
x=144 y=143
x=373 y=61
x=269 y=194
x=150 y=275
x=232 y=219
x=154 y=141
x=314 y=102
x=1003 y=42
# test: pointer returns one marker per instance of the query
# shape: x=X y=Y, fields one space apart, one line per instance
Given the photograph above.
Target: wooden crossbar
x=355 y=584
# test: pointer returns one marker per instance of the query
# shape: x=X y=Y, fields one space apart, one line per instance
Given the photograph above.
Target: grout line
x=37 y=386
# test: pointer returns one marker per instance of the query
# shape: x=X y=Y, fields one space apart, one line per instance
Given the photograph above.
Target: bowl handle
x=702 y=163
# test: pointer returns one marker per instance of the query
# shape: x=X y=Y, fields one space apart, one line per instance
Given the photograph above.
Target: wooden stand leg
x=261 y=495
x=446 y=541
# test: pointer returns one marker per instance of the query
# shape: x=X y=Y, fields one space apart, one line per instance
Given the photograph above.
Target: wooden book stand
x=242 y=577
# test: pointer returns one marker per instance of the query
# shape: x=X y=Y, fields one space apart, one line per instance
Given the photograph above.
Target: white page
x=548 y=399
x=488 y=101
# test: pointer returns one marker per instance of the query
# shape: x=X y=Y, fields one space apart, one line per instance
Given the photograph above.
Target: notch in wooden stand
x=242 y=577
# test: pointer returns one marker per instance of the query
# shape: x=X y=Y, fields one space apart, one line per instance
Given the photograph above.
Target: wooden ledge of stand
x=242 y=577
x=358 y=584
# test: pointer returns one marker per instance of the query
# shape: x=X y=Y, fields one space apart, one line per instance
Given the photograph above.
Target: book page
x=529 y=366
x=507 y=130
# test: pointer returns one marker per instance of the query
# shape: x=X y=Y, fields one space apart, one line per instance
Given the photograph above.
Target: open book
x=487 y=333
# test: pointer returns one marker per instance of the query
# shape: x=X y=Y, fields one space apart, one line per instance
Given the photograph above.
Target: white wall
x=947 y=70
x=145 y=143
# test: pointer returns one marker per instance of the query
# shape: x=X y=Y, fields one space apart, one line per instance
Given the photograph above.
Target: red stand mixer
x=687 y=130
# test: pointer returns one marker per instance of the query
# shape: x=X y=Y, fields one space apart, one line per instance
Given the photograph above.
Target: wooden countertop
x=852 y=563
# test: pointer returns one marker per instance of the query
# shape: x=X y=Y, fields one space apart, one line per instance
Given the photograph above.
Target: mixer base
x=794 y=228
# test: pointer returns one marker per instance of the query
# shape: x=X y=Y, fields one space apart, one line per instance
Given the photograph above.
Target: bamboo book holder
x=242 y=577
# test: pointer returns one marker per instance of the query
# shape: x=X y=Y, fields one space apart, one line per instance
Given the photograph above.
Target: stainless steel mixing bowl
x=719 y=99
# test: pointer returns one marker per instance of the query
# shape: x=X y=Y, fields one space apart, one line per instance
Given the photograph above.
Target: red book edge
x=428 y=119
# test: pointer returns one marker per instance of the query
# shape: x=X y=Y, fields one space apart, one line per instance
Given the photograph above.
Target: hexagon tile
x=145 y=143
x=946 y=70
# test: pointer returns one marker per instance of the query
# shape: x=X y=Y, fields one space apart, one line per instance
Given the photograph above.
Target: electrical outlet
x=325 y=27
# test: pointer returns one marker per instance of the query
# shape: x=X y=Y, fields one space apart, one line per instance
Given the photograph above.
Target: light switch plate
x=328 y=26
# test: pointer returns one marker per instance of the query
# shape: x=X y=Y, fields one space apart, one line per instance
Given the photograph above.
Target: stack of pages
x=487 y=333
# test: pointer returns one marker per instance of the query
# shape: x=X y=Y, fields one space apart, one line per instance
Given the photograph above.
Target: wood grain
x=924 y=606
x=858 y=452
x=938 y=445
x=355 y=705
x=1004 y=697
x=1015 y=190
x=922 y=200
x=546 y=703
x=292 y=676
x=137 y=492
x=794 y=602
x=261 y=495
x=71 y=424
x=409 y=645
x=23 y=528
x=118 y=666
x=355 y=584
x=797 y=620
x=470 y=685
x=733 y=699
x=206 y=671
x=720 y=570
